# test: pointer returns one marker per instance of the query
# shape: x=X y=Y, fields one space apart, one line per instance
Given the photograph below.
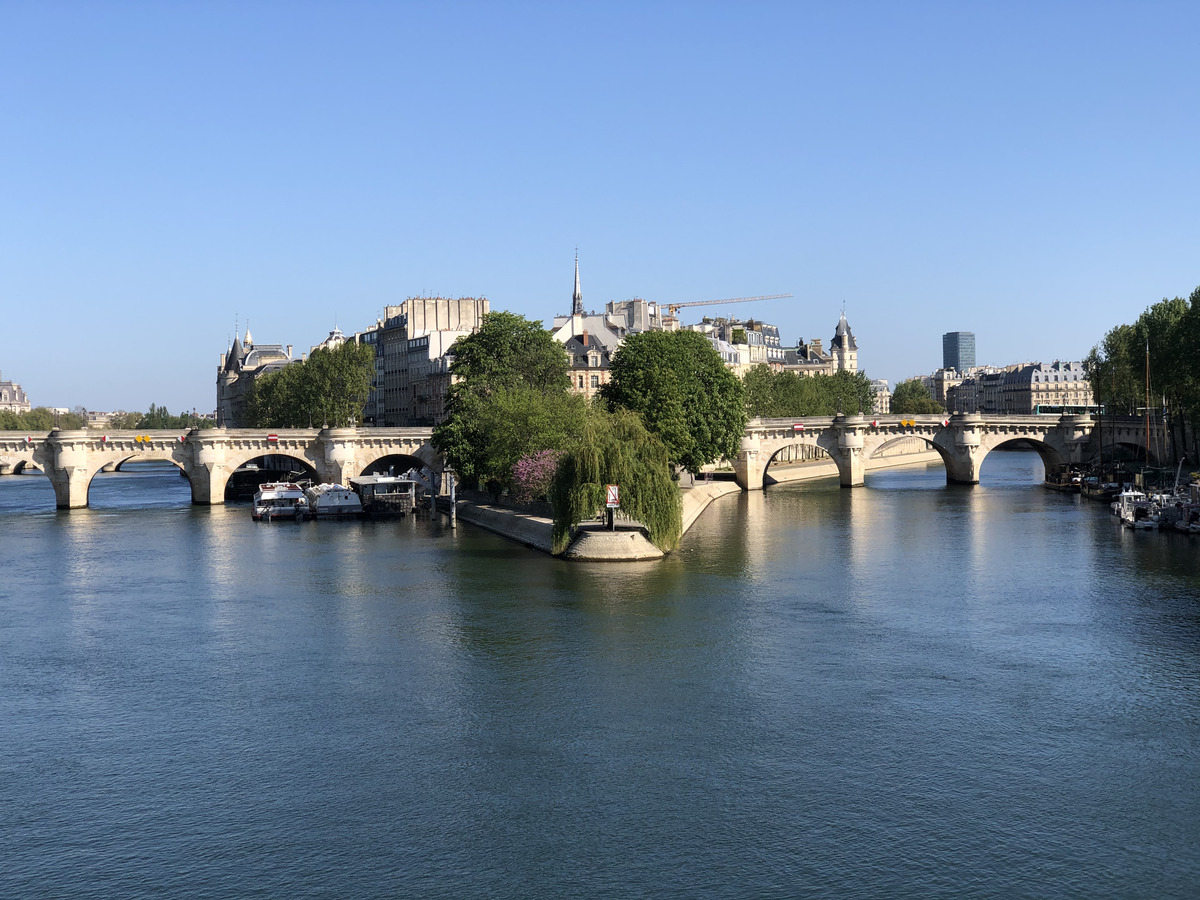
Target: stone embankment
x=627 y=543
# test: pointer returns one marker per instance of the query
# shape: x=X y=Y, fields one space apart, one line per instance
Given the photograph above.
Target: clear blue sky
x=1026 y=171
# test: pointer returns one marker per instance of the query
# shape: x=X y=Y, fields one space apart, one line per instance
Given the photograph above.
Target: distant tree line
x=39 y=419
x=1157 y=356
x=156 y=417
x=43 y=420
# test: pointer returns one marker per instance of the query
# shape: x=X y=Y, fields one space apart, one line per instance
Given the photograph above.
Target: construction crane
x=671 y=307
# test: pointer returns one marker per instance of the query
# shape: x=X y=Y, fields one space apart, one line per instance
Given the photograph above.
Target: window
x=581 y=381
x=595 y=381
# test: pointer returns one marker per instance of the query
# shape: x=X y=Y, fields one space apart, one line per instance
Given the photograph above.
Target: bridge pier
x=852 y=468
x=964 y=460
x=338 y=454
x=64 y=458
x=748 y=469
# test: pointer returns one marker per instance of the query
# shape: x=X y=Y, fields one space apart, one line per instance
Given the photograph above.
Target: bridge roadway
x=208 y=457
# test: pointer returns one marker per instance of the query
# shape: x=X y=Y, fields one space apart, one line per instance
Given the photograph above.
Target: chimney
x=289 y=351
x=585 y=339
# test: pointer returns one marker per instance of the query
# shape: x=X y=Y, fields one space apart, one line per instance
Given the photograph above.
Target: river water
x=903 y=690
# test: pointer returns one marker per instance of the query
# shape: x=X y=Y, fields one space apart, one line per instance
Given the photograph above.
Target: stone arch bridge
x=208 y=457
x=962 y=440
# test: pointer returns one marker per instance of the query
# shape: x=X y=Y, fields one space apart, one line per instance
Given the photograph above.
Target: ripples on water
x=907 y=690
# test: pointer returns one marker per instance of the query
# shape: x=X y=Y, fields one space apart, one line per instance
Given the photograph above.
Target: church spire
x=577 y=297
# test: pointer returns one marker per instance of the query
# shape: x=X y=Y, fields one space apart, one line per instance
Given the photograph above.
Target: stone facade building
x=1023 y=389
x=590 y=364
x=812 y=359
x=238 y=368
x=12 y=398
x=414 y=344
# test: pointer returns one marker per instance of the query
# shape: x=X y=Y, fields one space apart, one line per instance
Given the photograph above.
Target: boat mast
x=1147 y=463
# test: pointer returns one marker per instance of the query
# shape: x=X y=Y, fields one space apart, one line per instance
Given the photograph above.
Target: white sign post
x=612 y=500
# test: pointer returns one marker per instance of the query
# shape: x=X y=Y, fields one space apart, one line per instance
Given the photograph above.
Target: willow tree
x=615 y=448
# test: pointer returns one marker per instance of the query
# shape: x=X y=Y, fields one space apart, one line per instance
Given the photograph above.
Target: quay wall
x=626 y=544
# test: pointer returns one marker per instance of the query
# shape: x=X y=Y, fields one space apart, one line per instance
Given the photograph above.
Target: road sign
x=799 y=426
x=612 y=496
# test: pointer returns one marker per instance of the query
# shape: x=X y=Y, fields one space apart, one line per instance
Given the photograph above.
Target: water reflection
x=907 y=689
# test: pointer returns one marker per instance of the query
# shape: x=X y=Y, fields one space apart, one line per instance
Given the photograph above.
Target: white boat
x=333 y=501
x=1136 y=510
x=279 y=500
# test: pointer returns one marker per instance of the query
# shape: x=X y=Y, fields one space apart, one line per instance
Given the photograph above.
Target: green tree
x=338 y=381
x=761 y=385
x=509 y=399
x=615 y=448
x=684 y=393
x=329 y=389
x=788 y=394
x=485 y=436
x=913 y=398
x=509 y=350
x=1166 y=340
x=852 y=393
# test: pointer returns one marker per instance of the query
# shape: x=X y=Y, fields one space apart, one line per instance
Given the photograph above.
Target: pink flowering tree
x=532 y=475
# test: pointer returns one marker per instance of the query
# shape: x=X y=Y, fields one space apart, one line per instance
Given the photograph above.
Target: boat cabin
x=386 y=495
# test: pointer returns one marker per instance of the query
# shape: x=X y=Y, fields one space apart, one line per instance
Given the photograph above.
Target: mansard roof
x=265 y=355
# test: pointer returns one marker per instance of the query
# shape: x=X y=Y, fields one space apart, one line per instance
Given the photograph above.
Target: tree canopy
x=685 y=395
x=615 y=448
x=1168 y=333
x=509 y=399
x=789 y=394
x=509 y=350
x=913 y=398
x=329 y=388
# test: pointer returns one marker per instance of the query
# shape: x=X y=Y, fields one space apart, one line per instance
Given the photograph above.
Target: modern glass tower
x=958 y=350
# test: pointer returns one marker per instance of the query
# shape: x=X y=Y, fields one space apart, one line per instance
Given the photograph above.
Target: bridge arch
x=220 y=478
x=1051 y=457
x=961 y=440
x=383 y=463
x=884 y=449
x=796 y=453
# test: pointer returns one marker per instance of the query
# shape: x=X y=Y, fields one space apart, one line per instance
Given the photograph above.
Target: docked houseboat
x=386 y=495
x=1064 y=479
x=333 y=501
x=279 y=500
